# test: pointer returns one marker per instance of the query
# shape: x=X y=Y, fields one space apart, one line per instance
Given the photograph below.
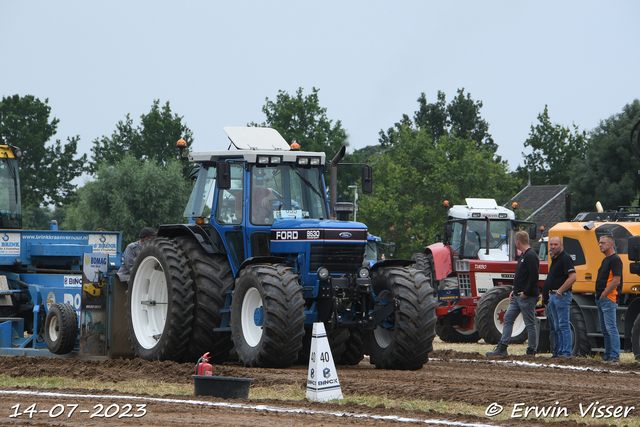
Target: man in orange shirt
x=608 y=282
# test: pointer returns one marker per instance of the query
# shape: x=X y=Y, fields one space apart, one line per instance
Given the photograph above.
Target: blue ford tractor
x=261 y=259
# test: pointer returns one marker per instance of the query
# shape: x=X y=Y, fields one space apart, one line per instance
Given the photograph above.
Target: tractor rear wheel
x=451 y=333
x=212 y=278
x=424 y=263
x=267 y=316
x=490 y=313
x=405 y=338
x=61 y=328
x=160 y=301
x=354 y=351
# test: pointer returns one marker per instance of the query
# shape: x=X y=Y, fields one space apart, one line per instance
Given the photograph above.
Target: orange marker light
x=514 y=205
x=446 y=204
x=181 y=143
x=295 y=146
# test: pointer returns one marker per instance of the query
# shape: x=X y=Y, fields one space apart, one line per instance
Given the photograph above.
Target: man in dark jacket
x=131 y=252
x=524 y=297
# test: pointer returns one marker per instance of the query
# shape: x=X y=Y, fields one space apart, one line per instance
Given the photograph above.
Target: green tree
x=130 y=195
x=609 y=171
x=46 y=171
x=155 y=138
x=554 y=148
x=300 y=119
x=414 y=177
x=461 y=117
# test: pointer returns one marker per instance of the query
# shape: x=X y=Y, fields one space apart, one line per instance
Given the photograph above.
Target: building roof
x=545 y=204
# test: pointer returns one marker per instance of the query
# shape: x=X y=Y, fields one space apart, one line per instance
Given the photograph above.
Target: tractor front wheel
x=451 y=333
x=490 y=314
x=267 y=316
x=405 y=338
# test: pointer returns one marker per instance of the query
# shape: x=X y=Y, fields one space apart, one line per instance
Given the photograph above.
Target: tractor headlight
x=363 y=273
x=462 y=265
x=323 y=273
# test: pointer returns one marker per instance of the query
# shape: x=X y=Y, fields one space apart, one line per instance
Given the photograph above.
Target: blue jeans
x=558 y=313
x=526 y=306
x=609 y=328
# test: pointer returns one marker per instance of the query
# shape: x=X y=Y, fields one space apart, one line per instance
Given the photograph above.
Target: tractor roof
x=480 y=208
x=251 y=142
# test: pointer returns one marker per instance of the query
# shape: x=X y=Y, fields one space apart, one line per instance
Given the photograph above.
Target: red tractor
x=473 y=271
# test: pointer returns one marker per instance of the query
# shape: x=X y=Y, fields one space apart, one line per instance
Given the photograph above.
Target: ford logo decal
x=345 y=235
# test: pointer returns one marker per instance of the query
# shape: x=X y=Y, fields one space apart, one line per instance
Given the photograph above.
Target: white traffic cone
x=322 y=380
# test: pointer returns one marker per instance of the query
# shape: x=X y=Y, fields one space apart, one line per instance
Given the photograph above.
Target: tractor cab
x=481 y=230
x=10 y=203
x=249 y=195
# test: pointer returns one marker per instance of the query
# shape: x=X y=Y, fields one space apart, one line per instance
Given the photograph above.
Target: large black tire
x=160 y=301
x=212 y=278
x=354 y=349
x=267 y=316
x=579 y=337
x=450 y=333
x=489 y=319
x=424 y=263
x=61 y=328
x=337 y=342
x=404 y=339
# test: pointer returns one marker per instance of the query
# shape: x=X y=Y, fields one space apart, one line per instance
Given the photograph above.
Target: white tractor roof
x=481 y=203
x=479 y=209
x=254 y=138
x=251 y=142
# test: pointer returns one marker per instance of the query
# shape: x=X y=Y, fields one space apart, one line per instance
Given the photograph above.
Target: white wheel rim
x=465 y=331
x=150 y=285
x=252 y=301
x=518 y=324
x=383 y=336
x=54 y=328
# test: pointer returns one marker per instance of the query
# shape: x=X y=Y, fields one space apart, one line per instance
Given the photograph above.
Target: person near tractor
x=131 y=252
x=262 y=198
x=556 y=295
x=523 y=297
x=608 y=281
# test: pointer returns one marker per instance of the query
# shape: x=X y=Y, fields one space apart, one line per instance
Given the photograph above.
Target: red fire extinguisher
x=202 y=367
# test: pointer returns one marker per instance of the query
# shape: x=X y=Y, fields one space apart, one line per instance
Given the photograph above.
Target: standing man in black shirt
x=608 y=283
x=524 y=297
x=556 y=294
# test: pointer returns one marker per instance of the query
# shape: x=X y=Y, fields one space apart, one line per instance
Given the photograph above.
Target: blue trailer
x=43 y=276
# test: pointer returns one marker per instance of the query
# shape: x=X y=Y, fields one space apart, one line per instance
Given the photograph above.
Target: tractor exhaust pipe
x=333 y=181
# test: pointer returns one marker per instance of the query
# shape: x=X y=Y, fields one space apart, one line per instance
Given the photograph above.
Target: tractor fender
x=392 y=263
x=259 y=260
x=208 y=238
x=442 y=265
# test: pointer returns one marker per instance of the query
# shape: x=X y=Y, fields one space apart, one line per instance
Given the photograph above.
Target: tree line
x=444 y=151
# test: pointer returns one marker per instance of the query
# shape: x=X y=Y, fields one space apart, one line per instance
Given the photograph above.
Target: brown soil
x=449 y=376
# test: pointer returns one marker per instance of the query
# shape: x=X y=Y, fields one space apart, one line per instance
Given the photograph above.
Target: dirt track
x=449 y=376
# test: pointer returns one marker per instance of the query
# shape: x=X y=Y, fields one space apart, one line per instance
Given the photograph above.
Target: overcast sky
x=216 y=62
